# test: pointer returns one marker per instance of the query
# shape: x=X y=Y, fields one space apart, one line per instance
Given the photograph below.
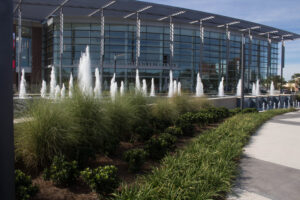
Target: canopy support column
x=61 y=44
x=102 y=27
x=227 y=57
x=19 y=45
x=282 y=63
x=243 y=70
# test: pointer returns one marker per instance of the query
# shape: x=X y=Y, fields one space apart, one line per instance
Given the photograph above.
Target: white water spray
x=144 y=88
x=152 y=92
x=57 y=92
x=239 y=88
x=113 y=87
x=44 y=89
x=170 y=93
x=52 y=83
x=137 y=81
x=84 y=73
x=253 y=89
x=22 y=93
x=174 y=87
x=179 y=89
x=272 y=88
x=122 y=89
x=71 y=86
x=97 y=89
x=257 y=88
x=199 y=86
x=221 y=88
x=63 y=91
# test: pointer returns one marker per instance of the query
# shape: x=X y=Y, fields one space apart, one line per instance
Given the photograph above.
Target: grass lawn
x=206 y=168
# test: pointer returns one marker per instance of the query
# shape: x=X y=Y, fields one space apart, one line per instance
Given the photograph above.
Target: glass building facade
x=120 y=38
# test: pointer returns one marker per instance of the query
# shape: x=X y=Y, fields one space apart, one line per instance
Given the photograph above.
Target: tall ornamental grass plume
x=46 y=132
x=93 y=131
x=122 y=115
x=184 y=104
x=164 y=114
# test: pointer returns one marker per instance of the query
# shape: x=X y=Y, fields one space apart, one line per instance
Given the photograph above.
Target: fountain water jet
x=170 y=93
x=71 y=86
x=137 y=81
x=44 y=89
x=199 y=86
x=272 y=88
x=84 y=73
x=253 y=89
x=263 y=106
x=179 y=89
x=239 y=88
x=57 y=92
x=63 y=91
x=174 y=87
x=152 y=92
x=113 y=87
x=22 y=92
x=52 y=83
x=144 y=88
x=257 y=88
x=97 y=89
x=122 y=89
x=221 y=88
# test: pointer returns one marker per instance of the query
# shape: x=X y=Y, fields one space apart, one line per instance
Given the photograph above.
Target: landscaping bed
x=86 y=148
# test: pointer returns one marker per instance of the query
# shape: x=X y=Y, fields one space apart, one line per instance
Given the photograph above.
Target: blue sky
x=282 y=14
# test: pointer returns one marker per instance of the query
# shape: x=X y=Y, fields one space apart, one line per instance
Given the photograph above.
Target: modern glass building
x=150 y=37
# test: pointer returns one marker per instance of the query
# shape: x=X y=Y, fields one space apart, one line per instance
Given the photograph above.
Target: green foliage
x=164 y=114
x=235 y=111
x=135 y=159
x=250 y=110
x=23 y=186
x=61 y=172
x=102 y=180
x=173 y=130
x=186 y=123
x=157 y=147
x=47 y=132
x=205 y=168
x=93 y=129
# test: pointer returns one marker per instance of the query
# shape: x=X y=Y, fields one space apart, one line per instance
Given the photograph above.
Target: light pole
x=115 y=61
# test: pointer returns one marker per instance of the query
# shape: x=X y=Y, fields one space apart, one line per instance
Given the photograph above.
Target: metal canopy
x=39 y=10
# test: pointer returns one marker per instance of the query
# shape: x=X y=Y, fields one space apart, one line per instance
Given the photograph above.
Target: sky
x=282 y=14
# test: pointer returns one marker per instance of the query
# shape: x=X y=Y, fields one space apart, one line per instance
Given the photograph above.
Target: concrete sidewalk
x=270 y=168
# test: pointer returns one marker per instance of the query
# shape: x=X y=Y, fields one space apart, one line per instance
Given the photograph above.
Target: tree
x=276 y=80
x=296 y=75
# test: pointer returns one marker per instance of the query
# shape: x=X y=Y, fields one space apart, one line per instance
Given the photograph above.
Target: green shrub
x=61 y=172
x=173 y=130
x=49 y=131
x=235 y=111
x=157 y=147
x=102 y=180
x=250 y=110
x=135 y=159
x=23 y=185
x=164 y=114
x=186 y=123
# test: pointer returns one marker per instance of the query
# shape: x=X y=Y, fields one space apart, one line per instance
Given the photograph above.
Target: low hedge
x=157 y=147
x=62 y=172
x=25 y=190
x=205 y=169
x=135 y=159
